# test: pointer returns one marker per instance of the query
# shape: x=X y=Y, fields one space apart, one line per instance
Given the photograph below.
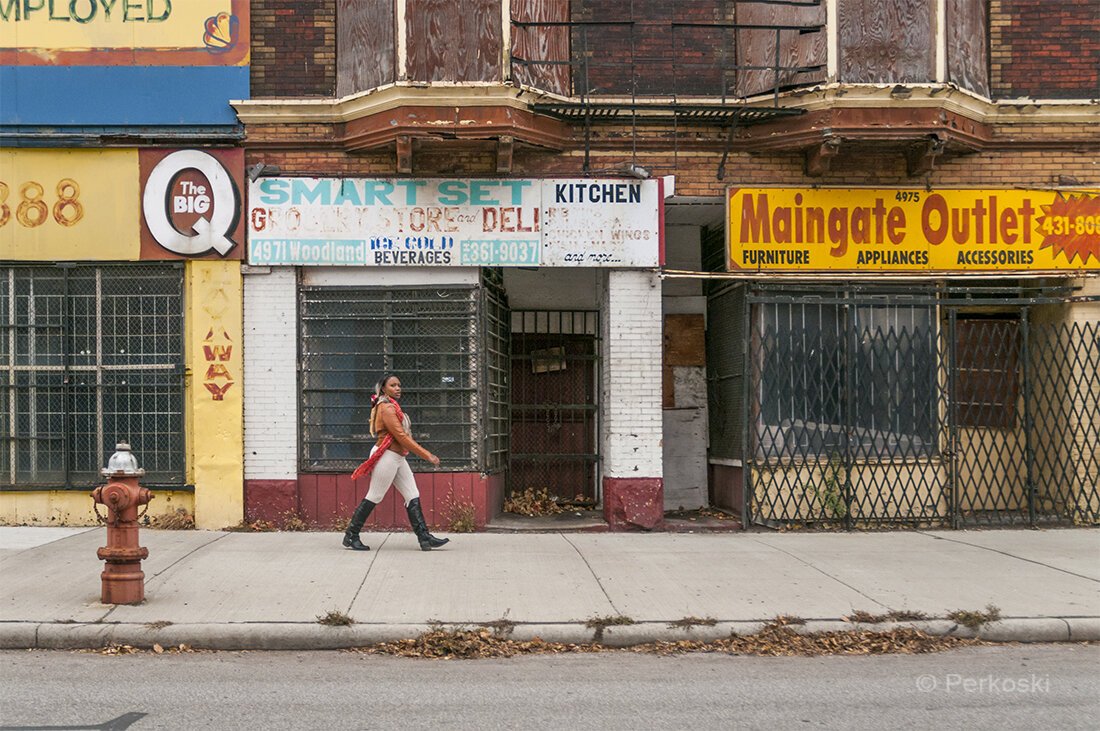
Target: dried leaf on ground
x=533 y=503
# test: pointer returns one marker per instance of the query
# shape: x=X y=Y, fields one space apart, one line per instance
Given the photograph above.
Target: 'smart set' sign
x=947 y=230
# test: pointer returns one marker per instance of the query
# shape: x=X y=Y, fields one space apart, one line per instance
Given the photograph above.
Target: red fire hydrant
x=123 y=579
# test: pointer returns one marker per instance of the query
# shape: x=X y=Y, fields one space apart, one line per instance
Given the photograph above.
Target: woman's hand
x=434 y=460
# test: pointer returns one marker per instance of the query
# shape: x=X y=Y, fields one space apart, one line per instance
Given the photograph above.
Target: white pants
x=391 y=469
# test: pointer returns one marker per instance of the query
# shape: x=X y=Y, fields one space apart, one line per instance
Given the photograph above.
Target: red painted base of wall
x=633 y=503
x=327 y=501
x=271 y=500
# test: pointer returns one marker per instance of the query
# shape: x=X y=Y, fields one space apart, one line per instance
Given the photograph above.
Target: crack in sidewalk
x=1010 y=555
x=593 y=572
x=825 y=573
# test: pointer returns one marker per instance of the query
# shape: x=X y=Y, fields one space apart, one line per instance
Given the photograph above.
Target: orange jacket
x=384 y=421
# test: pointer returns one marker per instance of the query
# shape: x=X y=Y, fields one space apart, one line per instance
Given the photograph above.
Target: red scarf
x=366 y=467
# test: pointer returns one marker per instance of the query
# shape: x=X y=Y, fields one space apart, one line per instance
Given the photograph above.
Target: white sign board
x=409 y=222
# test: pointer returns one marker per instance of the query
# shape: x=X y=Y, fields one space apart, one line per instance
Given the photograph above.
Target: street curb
x=313 y=636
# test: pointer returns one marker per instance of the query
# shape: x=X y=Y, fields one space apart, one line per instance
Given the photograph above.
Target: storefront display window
x=837 y=377
x=90 y=356
x=351 y=336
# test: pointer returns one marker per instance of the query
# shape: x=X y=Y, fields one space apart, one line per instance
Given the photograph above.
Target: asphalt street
x=995 y=687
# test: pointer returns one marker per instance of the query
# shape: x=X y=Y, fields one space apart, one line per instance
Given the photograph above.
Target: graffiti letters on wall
x=939 y=230
x=218 y=352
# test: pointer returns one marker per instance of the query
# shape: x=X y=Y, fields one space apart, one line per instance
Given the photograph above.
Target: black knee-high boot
x=420 y=527
x=351 y=535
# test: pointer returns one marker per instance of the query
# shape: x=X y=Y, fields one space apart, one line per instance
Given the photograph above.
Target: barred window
x=90 y=356
x=351 y=336
x=835 y=379
x=987 y=371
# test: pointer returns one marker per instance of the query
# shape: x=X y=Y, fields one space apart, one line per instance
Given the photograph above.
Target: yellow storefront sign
x=59 y=205
x=912 y=230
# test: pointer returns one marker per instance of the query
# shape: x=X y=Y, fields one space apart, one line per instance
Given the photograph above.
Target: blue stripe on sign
x=120 y=95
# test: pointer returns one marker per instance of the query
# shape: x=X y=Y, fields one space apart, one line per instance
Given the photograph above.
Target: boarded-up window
x=967 y=45
x=365 y=47
x=449 y=41
x=886 y=41
x=986 y=380
x=540 y=50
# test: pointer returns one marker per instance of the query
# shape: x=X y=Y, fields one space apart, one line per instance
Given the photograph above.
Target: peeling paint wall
x=215 y=369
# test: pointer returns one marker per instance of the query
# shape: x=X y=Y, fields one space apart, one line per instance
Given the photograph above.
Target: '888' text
x=31 y=209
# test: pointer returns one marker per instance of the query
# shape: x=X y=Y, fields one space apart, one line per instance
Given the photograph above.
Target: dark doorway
x=555 y=377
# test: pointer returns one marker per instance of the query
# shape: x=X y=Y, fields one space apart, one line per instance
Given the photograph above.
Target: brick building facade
x=707 y=95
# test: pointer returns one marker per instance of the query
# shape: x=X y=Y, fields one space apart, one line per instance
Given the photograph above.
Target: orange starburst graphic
x=1071 y=226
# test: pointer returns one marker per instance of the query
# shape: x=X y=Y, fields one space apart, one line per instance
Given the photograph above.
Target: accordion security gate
x=914 y=409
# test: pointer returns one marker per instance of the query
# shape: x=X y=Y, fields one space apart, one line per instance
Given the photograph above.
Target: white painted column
x=631 y=415
x=270 y=374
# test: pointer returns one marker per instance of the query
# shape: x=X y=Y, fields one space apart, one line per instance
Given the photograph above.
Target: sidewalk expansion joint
x=1009 y=555
x=825 y=573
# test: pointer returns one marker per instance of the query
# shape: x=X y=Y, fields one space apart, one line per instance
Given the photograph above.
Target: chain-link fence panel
x=872 y=411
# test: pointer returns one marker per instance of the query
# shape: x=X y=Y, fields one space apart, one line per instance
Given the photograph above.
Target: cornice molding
x=832 y=96
x=377 y=101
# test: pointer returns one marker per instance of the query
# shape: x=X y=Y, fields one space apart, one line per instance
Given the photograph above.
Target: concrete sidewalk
x=266 y=590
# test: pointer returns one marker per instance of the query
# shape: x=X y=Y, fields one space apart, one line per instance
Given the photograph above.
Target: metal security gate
x=918 y=406
x=555 y=380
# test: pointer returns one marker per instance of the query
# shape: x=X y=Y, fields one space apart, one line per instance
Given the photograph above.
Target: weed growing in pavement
x=599 y=624
x=975 y=619
x=335 y=618
x=501 y=628
x=894 y=615
x=786 y=619
x=689 y=623
x=906 y=615
x=253 y=526
x=460 y=515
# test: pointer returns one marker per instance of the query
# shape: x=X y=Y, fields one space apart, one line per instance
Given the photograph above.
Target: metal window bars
x=350 y=336
x=90 y=356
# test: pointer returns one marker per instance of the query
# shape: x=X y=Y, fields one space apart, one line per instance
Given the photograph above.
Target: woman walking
x=387 y=466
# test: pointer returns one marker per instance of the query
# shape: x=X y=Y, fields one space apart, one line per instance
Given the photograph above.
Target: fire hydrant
x=123 y=579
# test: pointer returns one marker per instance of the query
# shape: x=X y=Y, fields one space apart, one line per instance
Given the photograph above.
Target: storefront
x=120 y=321
x=519 y=313
x=917 y=357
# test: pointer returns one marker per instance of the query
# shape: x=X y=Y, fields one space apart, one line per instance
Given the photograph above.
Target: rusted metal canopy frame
x=731 y=116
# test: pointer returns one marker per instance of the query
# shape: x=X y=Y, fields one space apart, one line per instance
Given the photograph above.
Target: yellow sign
x=948 y=230
x=69 y=205
x=124 y=32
